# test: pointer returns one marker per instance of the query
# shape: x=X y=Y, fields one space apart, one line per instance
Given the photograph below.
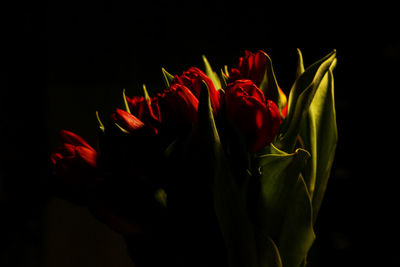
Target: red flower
x=178 y=106
x=258 y=118
x=74 y=163
x=127 y=121
x=251 y=67
x=193 y=79
x=148 y=113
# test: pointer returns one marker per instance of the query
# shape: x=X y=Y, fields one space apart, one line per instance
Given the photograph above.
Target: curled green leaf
x=319 y=135
x=300 y=98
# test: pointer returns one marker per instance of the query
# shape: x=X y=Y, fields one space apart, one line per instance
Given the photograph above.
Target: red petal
x=178 y=105
x=67 y=150
x=73 y=139
x=128 y=121
x=88 y=155
x=257 y=73
x=251 y=89
x=55 y=157
x=259 y=120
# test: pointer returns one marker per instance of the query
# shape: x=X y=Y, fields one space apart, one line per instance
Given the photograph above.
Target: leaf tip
x=146 y=93
x=125 y=101
x=101 y=125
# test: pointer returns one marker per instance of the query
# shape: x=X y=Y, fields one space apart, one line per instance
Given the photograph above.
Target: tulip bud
x=251 y=66
x=127 y=121
x=193 y=79
x=259 y=119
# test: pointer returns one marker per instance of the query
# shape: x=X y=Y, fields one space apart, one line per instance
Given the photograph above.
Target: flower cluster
x=207 y=155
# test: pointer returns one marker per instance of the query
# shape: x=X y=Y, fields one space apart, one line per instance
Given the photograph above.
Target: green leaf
x=211 y=74
x=297 y=234
x=168 y=78
x=285 y=211
x=300 y=98
x=300 y=64
x=268 y=253
x=125 y=101
x=229 y=201
x=279 y=175
x=270 y=87
x=101 y=125
x=120 y=128
x=224 y=79
x=146 y=94
x=319 y=135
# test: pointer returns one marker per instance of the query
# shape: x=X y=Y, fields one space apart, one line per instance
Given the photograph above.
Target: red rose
x=251 y=67
x=75 y=163
x=258 y=118
x=193 y=79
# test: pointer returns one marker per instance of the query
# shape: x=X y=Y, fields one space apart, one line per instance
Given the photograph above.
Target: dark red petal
x=88 y=155
x=267 y=126
x=137 y=105
x=259 y=120
x=55 y=157
x=257 y=73
x=235 y=75
x=73 y=139
x=67 y=150
x=178 y=105
x=128 y=121
x=251 y=89
x=270 y=120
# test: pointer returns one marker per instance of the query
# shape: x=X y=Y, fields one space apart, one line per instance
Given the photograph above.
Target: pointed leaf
x=224 y=80
x=300 y=65
x=211 y=74
x=125 y=101
x=168 y=78
x=229 y=201
x=270 y=87
x=319 y=134
x=297 y=234
x=300 y=98
x=146 y=94
x=120 y=128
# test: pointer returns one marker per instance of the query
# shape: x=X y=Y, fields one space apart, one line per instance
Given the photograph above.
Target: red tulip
x=178 y=106
x=75 y=163
x=127 y=121
x=146 y=111
x=251 y=67
x=193 y=79
x=258 y=118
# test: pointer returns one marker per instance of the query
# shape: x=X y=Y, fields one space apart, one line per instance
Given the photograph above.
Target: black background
x=63 y=60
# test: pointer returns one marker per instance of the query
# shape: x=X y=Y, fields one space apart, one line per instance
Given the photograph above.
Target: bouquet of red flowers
x=220 y=169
